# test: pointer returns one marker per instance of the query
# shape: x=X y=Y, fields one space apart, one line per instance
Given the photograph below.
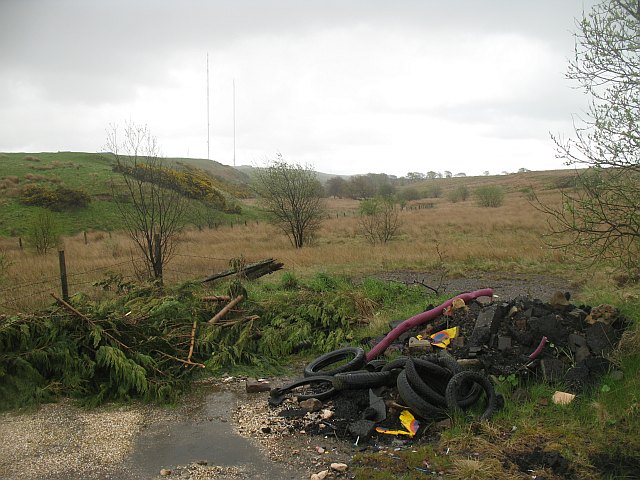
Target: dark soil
x=505 y=285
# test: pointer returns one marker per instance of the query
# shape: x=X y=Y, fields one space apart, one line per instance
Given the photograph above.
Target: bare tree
x=153 y=214
x=600 y=219
x=379 y=219
x=292 y=195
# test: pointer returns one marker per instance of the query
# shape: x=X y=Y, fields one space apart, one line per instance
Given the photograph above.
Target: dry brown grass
x=468 y=238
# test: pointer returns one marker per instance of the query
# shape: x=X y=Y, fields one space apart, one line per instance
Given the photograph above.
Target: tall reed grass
x=458 y=237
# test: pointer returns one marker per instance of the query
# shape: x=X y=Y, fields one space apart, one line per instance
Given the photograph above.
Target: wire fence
x=29 y=296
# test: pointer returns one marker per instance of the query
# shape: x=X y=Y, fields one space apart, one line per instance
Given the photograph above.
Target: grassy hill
x=93 y=173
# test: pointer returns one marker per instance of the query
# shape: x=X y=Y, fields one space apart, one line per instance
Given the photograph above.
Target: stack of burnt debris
x=450 y=365
x=557 y=342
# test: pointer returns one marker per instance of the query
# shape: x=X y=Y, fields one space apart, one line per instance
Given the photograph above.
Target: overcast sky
x=348 y=86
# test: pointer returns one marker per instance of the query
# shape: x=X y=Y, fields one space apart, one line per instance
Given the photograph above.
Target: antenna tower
x=208 y=107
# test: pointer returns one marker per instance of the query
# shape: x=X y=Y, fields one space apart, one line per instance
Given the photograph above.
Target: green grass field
x=92 y=172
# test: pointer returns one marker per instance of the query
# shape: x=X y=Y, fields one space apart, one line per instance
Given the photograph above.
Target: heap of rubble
x=521 y=340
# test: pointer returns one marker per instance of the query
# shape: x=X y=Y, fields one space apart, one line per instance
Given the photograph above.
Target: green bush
x=409 y=194
x=458 y=194
x=528 y=193
x=57 y=198
x=489 y=196
x=43 y=233
x=433 y=191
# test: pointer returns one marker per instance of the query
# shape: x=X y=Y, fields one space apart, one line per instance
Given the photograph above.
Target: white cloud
x=350 y=87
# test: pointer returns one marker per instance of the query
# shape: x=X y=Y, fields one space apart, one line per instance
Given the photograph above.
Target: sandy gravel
x=60 y=438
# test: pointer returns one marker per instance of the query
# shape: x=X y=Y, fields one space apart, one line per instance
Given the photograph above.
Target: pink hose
x=422 y=318
x=538 y=350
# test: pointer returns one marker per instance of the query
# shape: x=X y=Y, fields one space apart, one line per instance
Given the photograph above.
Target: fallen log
x=226 y=309
x=216 y=298
x=192 y=341
x=251 y=271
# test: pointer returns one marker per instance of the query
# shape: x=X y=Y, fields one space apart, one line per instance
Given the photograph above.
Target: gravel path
x=505 y=285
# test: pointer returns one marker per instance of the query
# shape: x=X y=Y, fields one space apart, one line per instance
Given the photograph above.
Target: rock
x=311 y=405
x=576 y=341
x=484 y=300
x=327 y=414
x=419 y=347
x=600 y=338
x=255 y=386
x=320 y=475
x=339 y=467
x=486 y=324
x=504 y=343
x=165 y=472
x=577 y=377
x=604 y=313
x=578 y=314
x=553 y=369
x=320 y=450
x=582 y=353
x=457 y=342
x=562 y=398
x=559 y=300
x=362 y=428
x=597 y=366
x=551 y=327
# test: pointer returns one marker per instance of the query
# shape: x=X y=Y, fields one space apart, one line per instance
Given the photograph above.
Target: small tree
x=600 y=220
x=489 y=196
x=43 y=233
x=153 y=215
x=337 y=187
x=361 y=186
x=409 y=194
x=292 y=195
x=458 y=194
x=379 y=219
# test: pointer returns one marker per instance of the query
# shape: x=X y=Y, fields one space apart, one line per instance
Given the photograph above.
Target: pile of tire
x=433 y=387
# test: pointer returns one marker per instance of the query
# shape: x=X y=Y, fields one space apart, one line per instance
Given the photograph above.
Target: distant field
x=454 y=237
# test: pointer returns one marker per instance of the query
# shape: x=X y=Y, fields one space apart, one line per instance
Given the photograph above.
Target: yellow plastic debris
x=443 y=337
x=408 y=421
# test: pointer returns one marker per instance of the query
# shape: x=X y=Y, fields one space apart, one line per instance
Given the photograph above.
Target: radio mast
x=234 y=122
x=208 y=106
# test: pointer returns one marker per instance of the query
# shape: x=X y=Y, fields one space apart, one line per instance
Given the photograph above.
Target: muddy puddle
x=201 y=433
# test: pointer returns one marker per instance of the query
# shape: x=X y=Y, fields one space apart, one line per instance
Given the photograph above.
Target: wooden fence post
x=20 y=242
x=63 y=276
x=85 y=237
